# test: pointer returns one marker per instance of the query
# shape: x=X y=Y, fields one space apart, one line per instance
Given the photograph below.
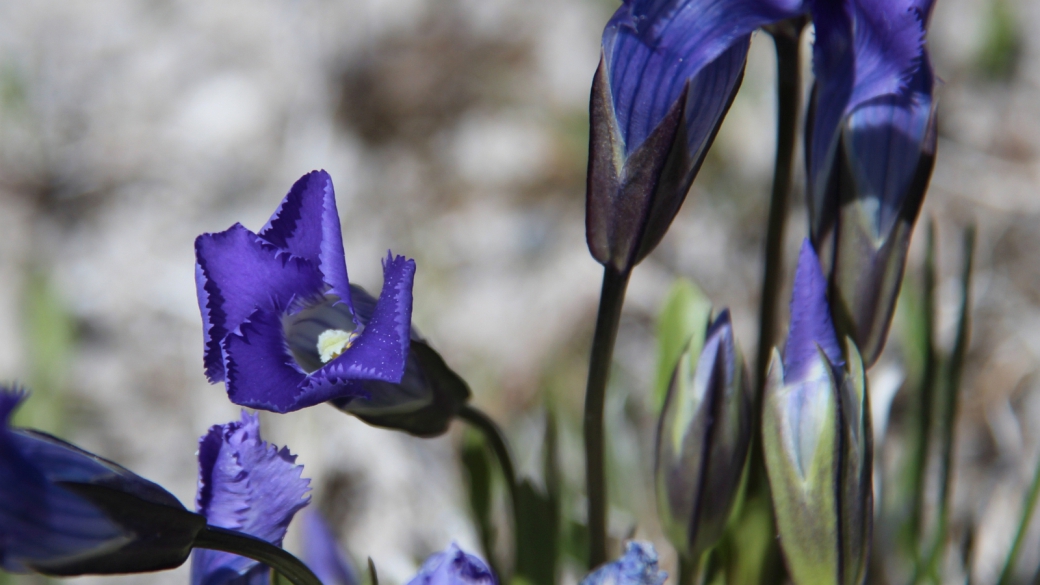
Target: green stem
x=1028 y=506
x=926 y=395
x=612 y=297
x=493 y=435
x=287 y=565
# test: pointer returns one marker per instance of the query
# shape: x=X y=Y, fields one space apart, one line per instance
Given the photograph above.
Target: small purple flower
x=323 y=554
x=870 y=150
x=668 y=72
x=454 y=567
x=64 y=511
x=279 y=322
x=248 y=486
x=638 y=566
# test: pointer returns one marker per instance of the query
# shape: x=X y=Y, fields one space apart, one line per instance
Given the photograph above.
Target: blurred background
x=456 y=133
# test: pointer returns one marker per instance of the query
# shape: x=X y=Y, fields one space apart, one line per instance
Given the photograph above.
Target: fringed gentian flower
x=454 y=567
x=702 y=440
x=638 y=566
x=280 y=325
x=248 y=486
x=323 y=554
x=817 y=442
x=64 y=511
x=870 y=149
x=667 y=75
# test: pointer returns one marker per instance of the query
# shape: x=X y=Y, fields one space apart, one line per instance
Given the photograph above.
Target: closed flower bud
x=816 y=438
x=702 y=441
x=667 y=75
x=454 y=566
x=870 y=149
x=69 y=512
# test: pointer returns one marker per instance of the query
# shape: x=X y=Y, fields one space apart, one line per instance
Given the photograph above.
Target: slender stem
x=493 y=434
x=926 y=394
x=1028 y=506
x=290 y=567
x=612 y=297
x=786 y=36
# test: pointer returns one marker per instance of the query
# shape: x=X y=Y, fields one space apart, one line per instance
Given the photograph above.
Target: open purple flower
x=454 y=567
x=870 y=149
x=64 y=511
x=279 y=323
x=248 y=486
x=638 y=566
x=668 y=72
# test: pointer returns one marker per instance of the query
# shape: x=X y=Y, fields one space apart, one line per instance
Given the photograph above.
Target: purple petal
x=248 y=485
x=653 y=47
x=811 y=324
x=306 y=224
x=260 y=372
x=237 y=273
x=638 y=566
x=454 y=567
x=382 y=348
x=323 y=555
x=884 y=140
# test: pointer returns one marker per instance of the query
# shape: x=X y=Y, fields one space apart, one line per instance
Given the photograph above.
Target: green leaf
x=538 y=526
x=50 y=335
x=683 y=319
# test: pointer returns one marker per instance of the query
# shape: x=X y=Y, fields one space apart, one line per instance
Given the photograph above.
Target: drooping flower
x=323 y=554
x=638 y=566
x=870 y=149
x=817 y=442
x=281 y=330
x=668 y=72
x=249 y=486
x=702 y=441
x=64 y=511
x=454 y=567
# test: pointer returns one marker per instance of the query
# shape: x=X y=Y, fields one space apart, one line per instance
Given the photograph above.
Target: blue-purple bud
x=638 y=566
x=702 y=441
x=870 y=149
x=454 y=566
x=668 y=72
x=817 y=443
x=69 y=512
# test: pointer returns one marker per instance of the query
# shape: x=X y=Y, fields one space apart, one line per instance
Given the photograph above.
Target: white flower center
x=333 y=342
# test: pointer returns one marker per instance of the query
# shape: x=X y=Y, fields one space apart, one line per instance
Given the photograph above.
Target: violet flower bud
x=702 y=441
x=69 y=512
x=870 y=150
x=454 y=567
x=667 y=75
x=248 y=486
x=638 y=566
x=817 y=442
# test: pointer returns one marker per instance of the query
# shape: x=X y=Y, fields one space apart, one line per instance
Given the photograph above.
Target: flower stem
x=786 y=36
x=612 y=297
x=496 y=440
x=279 y=560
